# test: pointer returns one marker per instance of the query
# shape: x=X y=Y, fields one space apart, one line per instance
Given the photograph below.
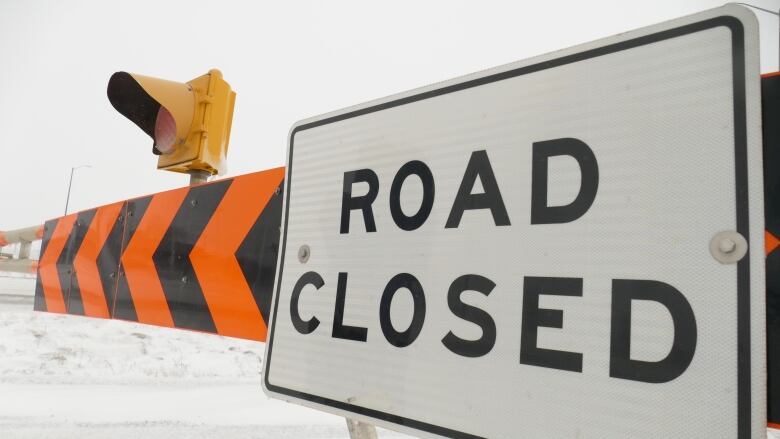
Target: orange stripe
x=769 y=75
x=3 y=242
x=145 y=287
x=773 y=425
x=50 y=280
x=85 y=262
x=227 y=293
x=770 y=242
x=39 y=232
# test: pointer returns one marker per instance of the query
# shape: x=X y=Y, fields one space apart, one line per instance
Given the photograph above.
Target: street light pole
x=70 y=184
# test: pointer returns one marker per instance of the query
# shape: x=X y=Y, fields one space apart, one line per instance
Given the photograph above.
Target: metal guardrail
x=24 y=237
x=27 y=234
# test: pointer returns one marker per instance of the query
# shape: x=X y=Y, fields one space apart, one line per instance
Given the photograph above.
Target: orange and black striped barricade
x=200 y=258
x=770 y=91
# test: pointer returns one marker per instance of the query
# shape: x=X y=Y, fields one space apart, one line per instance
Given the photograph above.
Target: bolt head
x=727 y=245
x=304 y=252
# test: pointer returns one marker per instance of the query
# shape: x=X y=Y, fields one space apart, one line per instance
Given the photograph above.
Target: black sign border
x=742 y=211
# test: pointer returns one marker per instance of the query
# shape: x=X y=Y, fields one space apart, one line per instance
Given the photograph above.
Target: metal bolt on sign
x=303 y=254
x=728 y=247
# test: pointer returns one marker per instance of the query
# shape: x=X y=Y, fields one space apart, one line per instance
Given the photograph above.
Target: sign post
x=568 y=246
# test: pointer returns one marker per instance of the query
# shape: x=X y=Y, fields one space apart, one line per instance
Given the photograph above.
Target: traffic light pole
x=198 y=177
x=361 y=430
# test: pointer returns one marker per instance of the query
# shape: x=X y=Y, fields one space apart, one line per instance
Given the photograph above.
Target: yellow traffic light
x=188 y=122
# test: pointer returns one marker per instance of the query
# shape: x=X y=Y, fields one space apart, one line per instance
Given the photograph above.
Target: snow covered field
x=73 y=377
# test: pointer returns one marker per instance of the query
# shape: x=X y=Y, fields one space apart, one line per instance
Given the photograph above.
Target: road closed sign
x=568 y=246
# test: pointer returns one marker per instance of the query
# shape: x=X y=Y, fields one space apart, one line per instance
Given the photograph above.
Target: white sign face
x=535 y=251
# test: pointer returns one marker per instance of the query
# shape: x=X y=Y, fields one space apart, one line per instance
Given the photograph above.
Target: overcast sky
x=287 y=60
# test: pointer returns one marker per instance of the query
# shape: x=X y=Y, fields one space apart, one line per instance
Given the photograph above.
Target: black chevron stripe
x=179 y=282
x=258 y=253
x=123 y=302
x=773 y=335
x=770 y=106
x=68 y=280
x=108 y=259
x=48 y=230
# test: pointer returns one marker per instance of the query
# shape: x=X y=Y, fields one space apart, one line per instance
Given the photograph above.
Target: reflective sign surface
x=569 y=246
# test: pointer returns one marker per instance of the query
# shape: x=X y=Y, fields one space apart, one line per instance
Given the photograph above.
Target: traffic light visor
x=163 y=109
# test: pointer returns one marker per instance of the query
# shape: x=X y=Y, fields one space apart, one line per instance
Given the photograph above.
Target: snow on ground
x=67 y=377
x=78 y=377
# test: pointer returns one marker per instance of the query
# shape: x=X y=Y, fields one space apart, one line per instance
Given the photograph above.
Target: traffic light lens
x=164 y=131
x=188 y=122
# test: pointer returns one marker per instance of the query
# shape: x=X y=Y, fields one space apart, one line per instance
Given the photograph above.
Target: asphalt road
x=17 y=294
x=16 y=302
x=14 y=299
